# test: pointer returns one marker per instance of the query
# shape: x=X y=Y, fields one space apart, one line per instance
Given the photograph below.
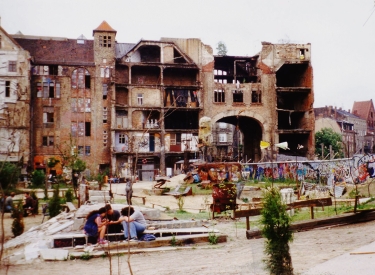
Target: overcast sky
x=341 y=32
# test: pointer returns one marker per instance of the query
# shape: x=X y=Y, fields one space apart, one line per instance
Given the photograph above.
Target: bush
x=9 y=174
x=17 y=224
x=38 y=178
x=54 y=206
x=276 y=230
x=69 y=195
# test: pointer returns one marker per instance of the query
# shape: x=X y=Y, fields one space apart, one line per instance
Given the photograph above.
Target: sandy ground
x=237 y=256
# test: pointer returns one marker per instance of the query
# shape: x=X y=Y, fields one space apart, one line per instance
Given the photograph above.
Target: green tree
x=276 y=229
x=38 y=178
x=54 y=205
x=221 y=48
x=328 y=137
x=9 y=174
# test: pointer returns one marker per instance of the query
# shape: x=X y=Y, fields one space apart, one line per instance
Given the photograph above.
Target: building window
x=87 y=150
x=122 y=138
x=237 y=96
x=48 y=141
x=78 y=129
x=256 y=97
x=105 y=91
x=81 y=105
x=80 y=150
x=87 y=129
x=81 y=79
x=219 y=96
x=222 y=137
x=48 y=89
x=222 y=125
x=7 y=88
x=12 y=66
x=105 y=72
x=53 y=70
x=48 y=117
x=105 y=114
x=140 y=99
x=105 y=41
x=105 y=138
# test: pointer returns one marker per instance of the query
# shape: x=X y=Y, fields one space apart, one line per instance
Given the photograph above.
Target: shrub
x=17 y=224
x=38 y=178
x=69 y=195
x=55 y=204
x=276 y=230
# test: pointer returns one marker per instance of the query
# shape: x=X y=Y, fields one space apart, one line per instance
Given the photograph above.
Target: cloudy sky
x=341 y=32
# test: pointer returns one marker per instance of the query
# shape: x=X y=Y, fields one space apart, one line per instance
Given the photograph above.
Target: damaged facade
x=266 y=97
x=14 y=101
x=138 y=105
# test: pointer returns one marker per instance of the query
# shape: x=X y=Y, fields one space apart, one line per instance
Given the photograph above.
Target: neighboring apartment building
x=351 y=127
x=14 y=102
x=138 y=105
x=366 y=111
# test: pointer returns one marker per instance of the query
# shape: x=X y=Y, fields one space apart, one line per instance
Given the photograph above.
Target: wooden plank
x=362 y=252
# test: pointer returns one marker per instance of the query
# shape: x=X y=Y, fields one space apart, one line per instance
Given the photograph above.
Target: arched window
x=81 y=79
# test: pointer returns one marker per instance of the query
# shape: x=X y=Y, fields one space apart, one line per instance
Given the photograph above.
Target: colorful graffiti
x=355 y=170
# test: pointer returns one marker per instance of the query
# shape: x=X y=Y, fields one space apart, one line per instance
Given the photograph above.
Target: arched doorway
x=247 y=135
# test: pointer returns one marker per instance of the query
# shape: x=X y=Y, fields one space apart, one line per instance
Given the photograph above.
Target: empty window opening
x=7 y=88
x=105 y=41
x=256 y=97
x=105 y=91
x=87 y=150
x=237 y=96
x=48 y=141
x=140 y=99
x=150 y=53
x=105 y=114
x=105 y=138
x=12 y=66
x=53 y=70
x=81 y=79
x=87 y=129
x=222 y=137
x=219 y=96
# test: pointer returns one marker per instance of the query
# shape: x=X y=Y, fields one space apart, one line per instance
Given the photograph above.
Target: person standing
x=128 y=191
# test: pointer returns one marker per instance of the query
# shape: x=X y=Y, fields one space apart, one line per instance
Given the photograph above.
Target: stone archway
x=251 y=127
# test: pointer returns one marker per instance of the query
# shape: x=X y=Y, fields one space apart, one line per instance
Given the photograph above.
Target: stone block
x=54 y=254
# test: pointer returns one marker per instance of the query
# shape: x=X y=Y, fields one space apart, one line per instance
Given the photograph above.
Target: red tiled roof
x=104 y=26
x=362 y=108
x=66 y=51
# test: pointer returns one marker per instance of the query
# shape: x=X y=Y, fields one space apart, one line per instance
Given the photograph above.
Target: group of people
x=7 y=204
x=107 y=220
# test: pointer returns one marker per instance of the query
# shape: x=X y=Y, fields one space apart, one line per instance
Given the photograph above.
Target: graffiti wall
x=354 y=170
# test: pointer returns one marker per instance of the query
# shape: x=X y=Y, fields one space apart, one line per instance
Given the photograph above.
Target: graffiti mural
x=354 y=170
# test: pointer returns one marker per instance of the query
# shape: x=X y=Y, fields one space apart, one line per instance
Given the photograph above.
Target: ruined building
x=14 y=101
x=124 y=106
x=267 y=97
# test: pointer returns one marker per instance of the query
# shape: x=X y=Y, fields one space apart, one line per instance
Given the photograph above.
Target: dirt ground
x=237 y=256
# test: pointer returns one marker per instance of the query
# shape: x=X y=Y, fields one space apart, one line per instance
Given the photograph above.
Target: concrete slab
x=54 y=254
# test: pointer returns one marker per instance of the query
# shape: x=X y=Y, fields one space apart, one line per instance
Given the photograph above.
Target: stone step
x=161 y=243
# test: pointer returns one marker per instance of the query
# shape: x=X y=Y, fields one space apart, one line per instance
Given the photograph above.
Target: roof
x=104 y=26
x=362 y=108
x=123 y=48
x=62 y=51
x=10 y=37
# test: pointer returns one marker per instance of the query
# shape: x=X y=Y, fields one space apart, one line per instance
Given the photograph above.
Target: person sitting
x=9 y=202
x=96 y=223
x=113 y=215
x=28 y=203
x=133 y=223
